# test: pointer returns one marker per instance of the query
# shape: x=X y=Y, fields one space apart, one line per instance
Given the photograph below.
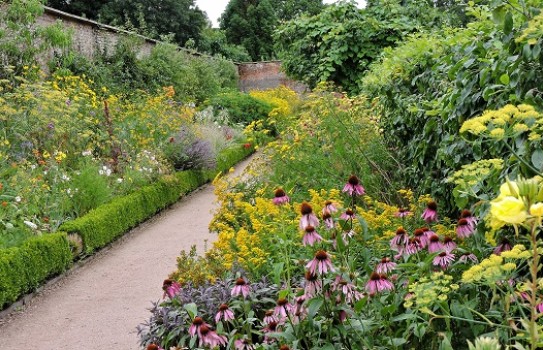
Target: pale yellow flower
x=537 y=209
x=509 y=209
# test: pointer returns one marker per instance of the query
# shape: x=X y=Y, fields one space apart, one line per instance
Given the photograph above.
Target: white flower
x=86 y=153
x=31 y=224
x=18 y=199
x=65 y=177
x=119 y=180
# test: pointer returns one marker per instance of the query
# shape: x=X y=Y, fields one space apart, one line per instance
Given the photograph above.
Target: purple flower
x=430 y=213
x=224 y=314
x=468 y=257
x=353 y=187
x=300 y=311
x=472 y=220
x=170 y=288
x=400 y=240
x=444 y=259
x=422 y=237
x=378 y=283
x=269 y=316
x=413 y=246
x=385 y=266
x=310 y=236
x=308 y=218
x=328 y=220
x=402 y=212
x=435 y=245
x=280 y=197
x=210 y=338
x=539 y=308
x=51 y=126
x=196 y=326
x=348 y=215
x=464 y=229
x=329 y=207
x=448 y=244
x=241 y=288
x=321 y=263
x=347 y=289
x=312 y=284
x=243 y=344
x=504 y=246
x=283 y=308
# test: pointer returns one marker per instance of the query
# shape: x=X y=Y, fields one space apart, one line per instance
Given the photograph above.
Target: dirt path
x=99 y=305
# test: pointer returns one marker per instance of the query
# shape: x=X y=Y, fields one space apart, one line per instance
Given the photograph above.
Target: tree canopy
x=251 y=23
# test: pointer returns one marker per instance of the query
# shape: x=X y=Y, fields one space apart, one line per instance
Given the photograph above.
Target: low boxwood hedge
x=23 y=268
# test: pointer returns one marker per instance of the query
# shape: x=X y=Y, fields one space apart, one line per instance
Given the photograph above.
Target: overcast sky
x=214 y=8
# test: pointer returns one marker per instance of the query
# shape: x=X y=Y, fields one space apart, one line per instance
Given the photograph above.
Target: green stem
x=534 y=336
x=522 y=160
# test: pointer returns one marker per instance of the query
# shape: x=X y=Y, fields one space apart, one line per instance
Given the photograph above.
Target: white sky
x=214 y=8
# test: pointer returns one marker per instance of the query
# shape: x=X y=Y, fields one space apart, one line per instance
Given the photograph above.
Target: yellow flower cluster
x=534 y=32
x=507 y=122
x=476 y=172
x=283 y=100
x=429 y=291
x=496 y=267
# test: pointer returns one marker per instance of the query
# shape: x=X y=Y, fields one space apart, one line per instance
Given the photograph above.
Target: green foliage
x=83 y=8
x=90 y=189
x=427 y=87
x=23 y=268
x=338 y=44
x=214 y=43
x=242 y=108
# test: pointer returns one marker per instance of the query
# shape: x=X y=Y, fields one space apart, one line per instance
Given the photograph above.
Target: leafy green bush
x=23 y=268
x=242 y=108
x=428 y=86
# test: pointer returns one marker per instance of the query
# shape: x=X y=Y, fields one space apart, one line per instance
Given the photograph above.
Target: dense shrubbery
x=427 y=86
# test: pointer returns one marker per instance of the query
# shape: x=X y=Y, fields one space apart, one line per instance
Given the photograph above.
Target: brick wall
x=265 y=75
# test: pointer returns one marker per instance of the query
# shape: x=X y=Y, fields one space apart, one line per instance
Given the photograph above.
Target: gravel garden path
x=98 y=304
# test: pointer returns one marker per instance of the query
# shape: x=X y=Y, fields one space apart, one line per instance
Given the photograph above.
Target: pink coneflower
x=312 y=284
x=348 y=215
x=539 y=308
x=320 y=263
x=400 y=240
x=385 y=266
x=300 y=310
x=308 y=218
x=444 y=259
x=353 y=187
x=209 y=337
x=329 y=207
x=170 y=288
x=224 y=314
x=280 y=197
x=448 y=244
x=195 y=327
x=472 y=220
x=311 y=236
x=243 y=344
x=328 y=220
x=241 y=288
x=269 y=316
x=464 y=229
x=346 y=236
x=271 y=327
x=504 y=246
x=347 y=289
x=430 y=213
x=283 y=308
x=378 y=283
x=421 y=235
x=402 y=212
x=413 y=246
x=468 y=257
x=434 y=245
x=342 y=315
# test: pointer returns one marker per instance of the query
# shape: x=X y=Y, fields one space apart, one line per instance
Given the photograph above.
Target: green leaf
x=508 y=23
x=313 y=306
x=504 y=79
x=537 y=159
x=192 y=309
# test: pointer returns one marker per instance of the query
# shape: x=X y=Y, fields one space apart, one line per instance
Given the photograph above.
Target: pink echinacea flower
x=353 y=187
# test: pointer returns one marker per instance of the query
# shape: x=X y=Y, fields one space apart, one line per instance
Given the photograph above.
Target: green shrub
x=23 y=268
x=242 y=108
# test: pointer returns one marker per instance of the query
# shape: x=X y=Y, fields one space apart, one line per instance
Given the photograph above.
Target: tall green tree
x=251 y=23
x=88 y=9
x=340 y=42
x=156 y=18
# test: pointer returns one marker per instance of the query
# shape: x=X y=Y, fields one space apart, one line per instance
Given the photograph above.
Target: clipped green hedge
x=110 y=221
x=23 y=268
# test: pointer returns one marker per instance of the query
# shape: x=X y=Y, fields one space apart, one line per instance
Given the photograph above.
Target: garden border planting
x=24 y=268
